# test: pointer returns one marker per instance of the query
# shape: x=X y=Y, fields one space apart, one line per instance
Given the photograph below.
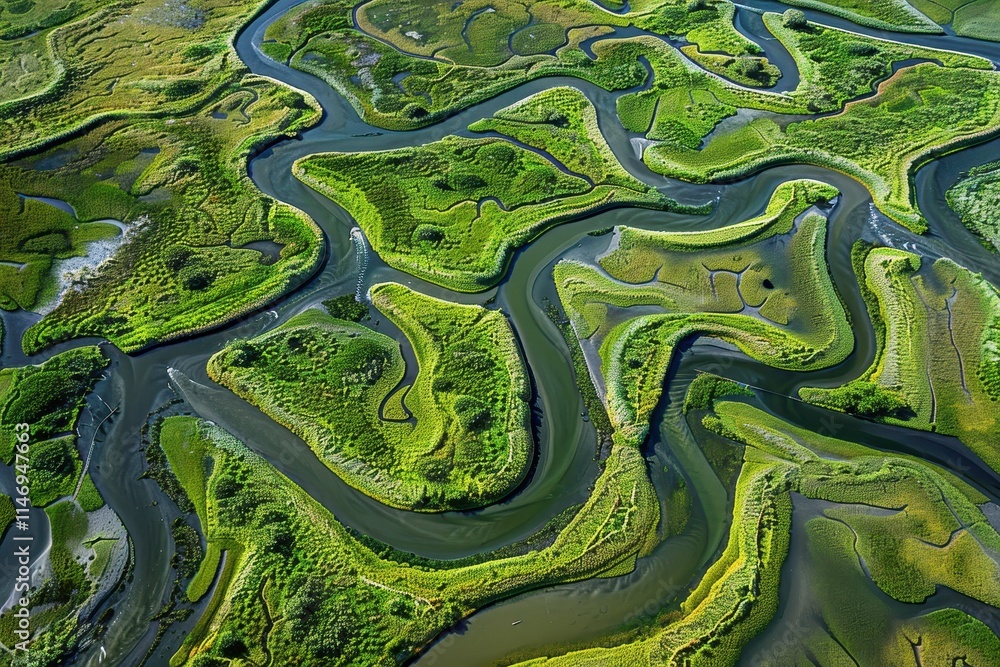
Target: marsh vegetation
x=149 y=192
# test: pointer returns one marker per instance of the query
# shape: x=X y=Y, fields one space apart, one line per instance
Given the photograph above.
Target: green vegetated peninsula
x=126 y=210
x=859 y=536
x=881 y=139
x=979 y=19
x=455 y=435
x=286 y=557
x=937 y=366
x=975 y=198
x=128 y=213
x=454 y=211
x=404 y=66
x=762 y=285
x=49 y=396
x=400 y=78
x=898 y=15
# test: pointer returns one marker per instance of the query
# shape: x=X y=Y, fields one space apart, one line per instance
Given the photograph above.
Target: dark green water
x=565 y=469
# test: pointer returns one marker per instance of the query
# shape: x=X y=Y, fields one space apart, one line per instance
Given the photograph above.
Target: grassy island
x=339 y=603
x=937 y=366
x=908 y=554
x=47 y=397
x=455 y=435
x=408 y=66
x=898 y=15
x=654 y=289
x=195 y=242
x=453 y=212
x=917 y=112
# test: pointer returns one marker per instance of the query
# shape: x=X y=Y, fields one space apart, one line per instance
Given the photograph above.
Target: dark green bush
x=181 y=89
x=868 y=400
x=231 y=646
x=436 y=470
x=175 y=257
x=187 y=548
x=20 y=7
x=752 y=68
x=279 y=540
x=196 y=277
x=706 y=388
x=41 y=395
x=861 y=49
x=186 y=166
x=467 y=182
x=227 y=486
x=429 y=233
x=414 y=111
x=472 y=414
x=794 y=19
x=198 y=51
x=242 y=353
x=47 y=244
x=346 y=307
x=54 y=469
x=442 y=383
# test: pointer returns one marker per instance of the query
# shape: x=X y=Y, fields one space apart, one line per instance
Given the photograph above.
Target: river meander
x=566 y=442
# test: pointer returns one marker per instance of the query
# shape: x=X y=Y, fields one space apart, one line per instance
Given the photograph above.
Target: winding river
x=565 y=468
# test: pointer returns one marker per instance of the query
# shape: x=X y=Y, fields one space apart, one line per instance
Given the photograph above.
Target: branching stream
x=565 y=468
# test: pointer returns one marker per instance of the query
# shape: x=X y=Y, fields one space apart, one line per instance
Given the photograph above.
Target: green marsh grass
x=338 y=385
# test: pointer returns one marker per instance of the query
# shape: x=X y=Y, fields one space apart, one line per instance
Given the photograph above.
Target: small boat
x=516 y=622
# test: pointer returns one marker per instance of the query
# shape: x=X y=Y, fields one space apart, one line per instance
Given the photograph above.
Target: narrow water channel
x=565 y=468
